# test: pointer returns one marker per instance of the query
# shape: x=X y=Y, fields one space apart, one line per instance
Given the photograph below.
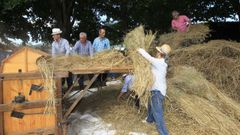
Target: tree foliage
x=20 y=18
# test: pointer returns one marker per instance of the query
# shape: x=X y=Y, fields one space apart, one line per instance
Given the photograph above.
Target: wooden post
x=1 y=101
x=59 y=115
x=82 y=93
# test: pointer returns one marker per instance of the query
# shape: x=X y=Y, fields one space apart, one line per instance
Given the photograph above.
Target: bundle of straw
x=46 y=70
x=105 y=59
x=143 y=78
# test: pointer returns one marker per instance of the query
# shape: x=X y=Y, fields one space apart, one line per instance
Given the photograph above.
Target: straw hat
x=56 y=31
x=165 y=49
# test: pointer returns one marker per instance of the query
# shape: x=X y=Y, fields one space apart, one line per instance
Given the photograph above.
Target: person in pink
x=180 y=23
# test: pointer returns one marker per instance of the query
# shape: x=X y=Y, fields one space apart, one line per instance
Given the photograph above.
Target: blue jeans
x=155 y=111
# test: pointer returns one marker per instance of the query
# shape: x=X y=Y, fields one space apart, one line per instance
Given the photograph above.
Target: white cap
x=56 y=31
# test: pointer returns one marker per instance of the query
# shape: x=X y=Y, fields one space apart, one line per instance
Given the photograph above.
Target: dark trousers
x=69 y=80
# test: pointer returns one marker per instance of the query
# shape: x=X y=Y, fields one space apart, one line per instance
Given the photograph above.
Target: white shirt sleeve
x=67 y=47
x=147 y=56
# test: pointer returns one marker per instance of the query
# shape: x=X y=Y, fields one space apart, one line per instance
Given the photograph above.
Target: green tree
x=19 y=18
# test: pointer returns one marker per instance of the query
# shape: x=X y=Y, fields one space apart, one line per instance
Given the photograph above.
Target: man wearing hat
x=158 y=90
x=60 y=46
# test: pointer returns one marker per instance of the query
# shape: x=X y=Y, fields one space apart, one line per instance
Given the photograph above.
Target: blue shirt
x=83 y=49
x=101 y=44
x=127 y=83
x=60 y=48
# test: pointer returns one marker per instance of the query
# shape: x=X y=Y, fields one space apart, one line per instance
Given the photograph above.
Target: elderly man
x=180 y=23
x=159 y=88
x=83 y=47
x=60 y=46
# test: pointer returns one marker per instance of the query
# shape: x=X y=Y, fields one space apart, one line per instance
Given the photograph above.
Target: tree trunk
x=62 y=11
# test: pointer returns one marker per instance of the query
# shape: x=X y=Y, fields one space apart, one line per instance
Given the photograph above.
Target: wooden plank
x=41 y=131
x=70 y=89
x=1 y=101
x=27 y=105
x=102 y=70
x=35 y=75
x=59 y=115
x=82 y=93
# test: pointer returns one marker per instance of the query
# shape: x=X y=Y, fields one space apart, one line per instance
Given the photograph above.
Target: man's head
x=175 y=14
x=83 y=37
x=163 y=51
x=102 y=32
x=56 y=34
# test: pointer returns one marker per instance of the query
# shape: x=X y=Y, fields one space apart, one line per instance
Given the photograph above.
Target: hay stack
x=197 y=34
x=218 y=60
x=203 y=102
x=105 y=59
x=143 y=78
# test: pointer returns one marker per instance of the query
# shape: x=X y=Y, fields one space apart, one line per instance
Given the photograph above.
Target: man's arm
x=94 y=45
x=53 y=50
x=187 y=20
x=107 y=44
x=173 y=25
x=67 y=47
x=90 y=49
x=146 y=55
x=76 y=47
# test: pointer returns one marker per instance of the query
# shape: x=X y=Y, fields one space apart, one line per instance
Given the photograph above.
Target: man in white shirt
x=158 y=90
x=60 y=46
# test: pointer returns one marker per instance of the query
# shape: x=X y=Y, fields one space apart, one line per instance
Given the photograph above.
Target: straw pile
x=197 y=34
x=49 y=65
x=143 y=78
x=219 y=60
x=203 y=102
x=105 y=59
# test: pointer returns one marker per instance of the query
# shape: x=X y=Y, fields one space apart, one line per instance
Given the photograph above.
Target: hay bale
x=211 y=109
x=197 y=34
x=143 y=78
x=218 y=60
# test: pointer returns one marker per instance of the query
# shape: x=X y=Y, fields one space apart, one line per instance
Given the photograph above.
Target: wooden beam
x=40 y=131
x=82 y=93
x=35 y=75
x=95 y=70
x=59 y=115
x=70 y=89
x=27 y=105
x=1 y=101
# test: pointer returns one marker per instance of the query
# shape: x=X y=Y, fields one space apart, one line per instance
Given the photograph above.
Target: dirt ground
x=119 y=118
x=100 y=114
